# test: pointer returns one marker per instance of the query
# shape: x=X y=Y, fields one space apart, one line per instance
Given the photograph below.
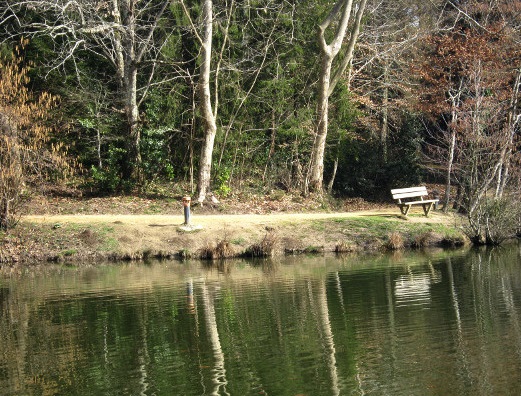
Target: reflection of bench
x=407 y=197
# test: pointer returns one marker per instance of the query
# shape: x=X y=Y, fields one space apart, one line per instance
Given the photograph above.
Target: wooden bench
x=407 y=197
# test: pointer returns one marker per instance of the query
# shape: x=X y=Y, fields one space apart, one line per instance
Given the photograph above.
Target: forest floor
x=87 y=230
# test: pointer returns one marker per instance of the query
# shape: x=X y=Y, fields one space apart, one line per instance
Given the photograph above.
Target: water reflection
x=415 y=288
x=416 y=324
x=218 y=372
x=327 y=336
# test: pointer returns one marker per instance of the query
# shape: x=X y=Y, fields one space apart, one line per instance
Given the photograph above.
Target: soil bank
x=90 y=238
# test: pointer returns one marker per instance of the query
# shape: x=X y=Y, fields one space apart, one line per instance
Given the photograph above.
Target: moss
x=69 y=252
x=313 y=249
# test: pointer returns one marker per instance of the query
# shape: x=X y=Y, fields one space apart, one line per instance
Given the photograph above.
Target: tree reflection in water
x=410 y=324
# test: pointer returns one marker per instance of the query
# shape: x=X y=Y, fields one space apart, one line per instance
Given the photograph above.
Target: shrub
x=266 y=248
x=26 y=152
x=493 y=221
x=395 y=241
x=344 y=247
x=222 y=250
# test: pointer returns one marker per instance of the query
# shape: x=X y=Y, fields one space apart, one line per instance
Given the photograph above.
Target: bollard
x=186 y=207
x=187 y=226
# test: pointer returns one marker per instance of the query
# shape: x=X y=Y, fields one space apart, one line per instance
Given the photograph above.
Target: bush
x=493 y=221
x=26 y=150
x=109 y=179
x=395 y=241
x=266 y=248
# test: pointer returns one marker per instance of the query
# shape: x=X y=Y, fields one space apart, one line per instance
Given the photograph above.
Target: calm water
x=405 y=324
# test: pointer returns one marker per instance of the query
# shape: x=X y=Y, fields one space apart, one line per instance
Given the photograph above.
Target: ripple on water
x=388 y=325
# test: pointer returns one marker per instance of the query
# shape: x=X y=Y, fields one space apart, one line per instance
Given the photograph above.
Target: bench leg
x=427 y=208
x=405 y=209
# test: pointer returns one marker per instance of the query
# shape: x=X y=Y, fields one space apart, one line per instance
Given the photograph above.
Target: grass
x=74 y=241
x=395 y=241
x=153 y=209
x=313 y=249
x=108 y=241
x=379 y=226
x=109 y=245
x=392 y=233
x=238 y=241
x=265 y=248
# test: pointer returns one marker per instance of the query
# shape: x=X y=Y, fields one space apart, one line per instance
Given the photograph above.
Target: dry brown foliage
x=395 y=241
x=26 y=153
x=265 y=248
x=222 y=250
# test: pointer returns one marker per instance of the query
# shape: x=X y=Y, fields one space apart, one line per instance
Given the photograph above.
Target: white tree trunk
x=384 y=132
x=126 y=66
x=319 y=146
x=133 y=125
x=513 y=118
x=455 y=98
x=450 y=162
x=210 y=127
x=327 y=82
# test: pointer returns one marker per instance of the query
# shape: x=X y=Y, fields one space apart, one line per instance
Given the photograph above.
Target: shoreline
x=91 y=238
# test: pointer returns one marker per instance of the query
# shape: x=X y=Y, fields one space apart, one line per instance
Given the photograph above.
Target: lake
x=408 y=323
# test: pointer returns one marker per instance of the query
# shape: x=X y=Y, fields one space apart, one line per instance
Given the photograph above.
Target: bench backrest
x=411 y=192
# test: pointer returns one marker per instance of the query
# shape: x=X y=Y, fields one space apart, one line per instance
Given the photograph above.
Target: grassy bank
x=76 y=238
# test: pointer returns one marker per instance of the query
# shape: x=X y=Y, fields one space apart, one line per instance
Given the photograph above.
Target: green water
x=439 y=323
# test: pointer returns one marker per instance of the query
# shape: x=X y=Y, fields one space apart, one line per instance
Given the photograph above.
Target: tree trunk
x=133 y=168
x=319 y=146
x=450 y=161
x=126 y=70
x=11 y=175
x=333 y=176
x=328 y=81
x=272 y=144
x=384 y=133
x=511 y=126
x=210 y=127
x=455 y=103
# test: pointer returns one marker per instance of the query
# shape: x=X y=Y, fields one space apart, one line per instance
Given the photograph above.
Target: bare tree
x=121 y=32
x=328 y=52
x=477 y=135
x=513 y=120
x=381 y=73
x=215 y=62
x=209 y=112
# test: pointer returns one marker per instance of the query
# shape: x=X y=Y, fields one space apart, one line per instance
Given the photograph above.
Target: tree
x=381 y=147
x=26 y=152
x=470 y=89
x=381 y=74
x=121 y=32
x=327 y=81
x=208 y=112
x=234 y=48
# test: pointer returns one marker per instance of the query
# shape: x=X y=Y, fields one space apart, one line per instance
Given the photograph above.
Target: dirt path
x=221 y=220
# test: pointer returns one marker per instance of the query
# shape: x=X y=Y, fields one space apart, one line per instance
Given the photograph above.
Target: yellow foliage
x=25 y=149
